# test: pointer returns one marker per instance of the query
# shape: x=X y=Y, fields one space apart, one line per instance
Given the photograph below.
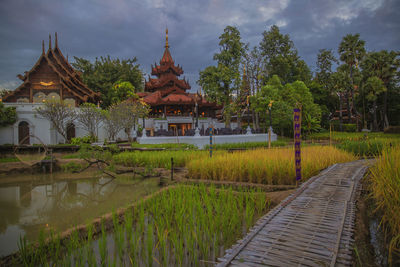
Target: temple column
x=165 y=111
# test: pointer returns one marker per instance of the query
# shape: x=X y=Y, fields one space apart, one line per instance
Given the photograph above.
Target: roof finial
x=244 y=70
x=50 y=41
x=56 y=40
x=166 y=38
x=43 y=47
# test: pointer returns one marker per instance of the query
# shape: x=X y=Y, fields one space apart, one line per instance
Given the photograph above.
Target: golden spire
x=43 y=47
x=49 y=41
x=166 y=38
x=56 y=44
x=244 y=70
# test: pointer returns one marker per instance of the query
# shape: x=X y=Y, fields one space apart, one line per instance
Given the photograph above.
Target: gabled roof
x=69 y=78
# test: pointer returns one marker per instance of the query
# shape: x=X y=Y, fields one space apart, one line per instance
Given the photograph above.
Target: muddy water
x=44 y=202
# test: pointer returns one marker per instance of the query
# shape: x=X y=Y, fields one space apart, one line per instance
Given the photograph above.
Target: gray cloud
x=126 y=29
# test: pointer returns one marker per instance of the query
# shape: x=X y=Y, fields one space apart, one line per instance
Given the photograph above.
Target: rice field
x=159 y=159
x=181 y=226
x=385 y=190
x=266 y=166
x=343 y=136
x=368 y=147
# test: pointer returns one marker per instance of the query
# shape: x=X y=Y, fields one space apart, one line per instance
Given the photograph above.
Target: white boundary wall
x=43 y=129
x=201 y=141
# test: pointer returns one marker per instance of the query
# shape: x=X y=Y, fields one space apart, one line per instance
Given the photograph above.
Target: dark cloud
x=127 y=29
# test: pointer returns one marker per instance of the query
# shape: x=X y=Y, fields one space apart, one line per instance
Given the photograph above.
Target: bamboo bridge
x=312 y=227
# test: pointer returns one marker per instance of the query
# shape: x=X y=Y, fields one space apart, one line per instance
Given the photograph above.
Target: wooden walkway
x=312 y=227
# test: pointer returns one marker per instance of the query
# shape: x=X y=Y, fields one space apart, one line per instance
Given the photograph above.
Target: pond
x=60 y=201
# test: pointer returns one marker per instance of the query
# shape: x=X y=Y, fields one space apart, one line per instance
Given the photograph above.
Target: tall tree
x=107 y=76
x=281 y=57
x=322 y=87
x=90 y=118
x=325 y=61
x=384 y=65
x=351 y=51
x=255 y=67
x=341 y=83
x=219 y=82
x=374 y=87
x=59 y=114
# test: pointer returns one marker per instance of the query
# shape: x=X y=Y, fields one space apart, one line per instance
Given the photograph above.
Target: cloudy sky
x=136 y=28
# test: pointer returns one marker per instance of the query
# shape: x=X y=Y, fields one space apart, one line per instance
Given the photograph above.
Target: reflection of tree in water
x=9 y=215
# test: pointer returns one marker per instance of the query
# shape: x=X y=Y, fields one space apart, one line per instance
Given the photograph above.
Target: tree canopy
x=115 y=79
x=219 y=82
x=8 y=115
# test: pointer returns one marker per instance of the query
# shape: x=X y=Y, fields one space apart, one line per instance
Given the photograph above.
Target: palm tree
x=351 y=51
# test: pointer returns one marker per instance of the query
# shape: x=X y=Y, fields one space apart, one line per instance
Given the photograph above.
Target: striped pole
x=210 y=132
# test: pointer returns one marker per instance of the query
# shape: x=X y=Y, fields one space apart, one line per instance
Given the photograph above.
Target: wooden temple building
x=52 y=78
x=168 y=97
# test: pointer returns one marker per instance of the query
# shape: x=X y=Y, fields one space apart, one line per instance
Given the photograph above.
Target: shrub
x=392 y=129
x=83 y=140
x=71 y=167
x=350 y=127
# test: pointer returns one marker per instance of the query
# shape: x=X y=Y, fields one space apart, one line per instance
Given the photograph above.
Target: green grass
x=368 y=147
x=180 y=226
x=9 y=159
x=345 y=136
x=385 y=190
x=71 y=156
x=159 y=159
x=248 y=145
x=166 y=146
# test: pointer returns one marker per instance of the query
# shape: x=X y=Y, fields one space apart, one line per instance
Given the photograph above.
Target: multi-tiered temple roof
x=52 y=78
x=167 y=88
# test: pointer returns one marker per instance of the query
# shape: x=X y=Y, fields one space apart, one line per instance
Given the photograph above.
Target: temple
x=52 y=78
x=169 y=100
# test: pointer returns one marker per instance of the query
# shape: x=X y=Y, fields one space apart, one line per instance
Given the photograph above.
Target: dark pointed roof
x=69 y=78
x=167 y=88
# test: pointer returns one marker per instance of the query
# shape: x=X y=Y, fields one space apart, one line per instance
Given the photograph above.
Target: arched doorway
x=70 y=131
x=23 y=133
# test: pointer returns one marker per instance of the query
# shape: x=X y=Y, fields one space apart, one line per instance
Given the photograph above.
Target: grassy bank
x=343 y=136
x=385 y=188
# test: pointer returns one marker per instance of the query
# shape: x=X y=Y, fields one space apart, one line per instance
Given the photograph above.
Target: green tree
x=124 y=116
x=255 y=67
x=219 y=82
x=385 y=66
x=322 y=87
x=90 y=118
x=374 y=87
x=341 y=83
x=8 y=115
x=281 y=57
x=351 y=51
x=59 y=114
x=113 y=78
x=285 y=98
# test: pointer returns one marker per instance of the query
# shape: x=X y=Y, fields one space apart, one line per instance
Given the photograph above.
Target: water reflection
x=47 y=204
